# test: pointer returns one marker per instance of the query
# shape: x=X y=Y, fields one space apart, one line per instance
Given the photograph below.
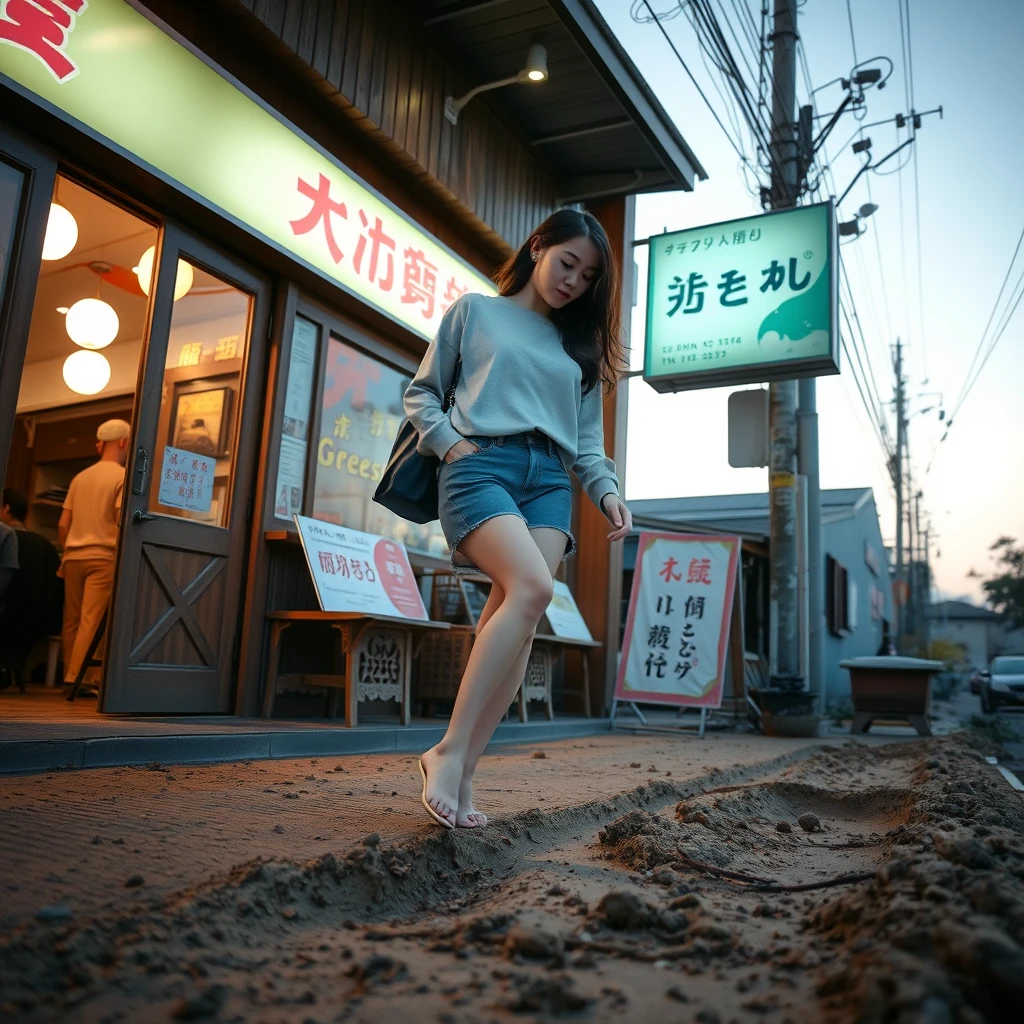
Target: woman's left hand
x=618 y=515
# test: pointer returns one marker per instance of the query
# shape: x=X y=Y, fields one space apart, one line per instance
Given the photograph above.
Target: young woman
x=535 y=360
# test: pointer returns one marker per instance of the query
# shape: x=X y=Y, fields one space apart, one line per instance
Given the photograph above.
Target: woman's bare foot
x=468 y=816
x=443 y=776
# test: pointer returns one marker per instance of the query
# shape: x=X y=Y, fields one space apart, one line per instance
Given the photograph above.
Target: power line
x=853 y=41
x=1011 y=308
x=679 y=57
x=991 y=317
x=871 y=381
x=920 y=276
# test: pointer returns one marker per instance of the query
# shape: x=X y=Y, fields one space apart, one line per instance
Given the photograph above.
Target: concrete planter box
x=891 y=687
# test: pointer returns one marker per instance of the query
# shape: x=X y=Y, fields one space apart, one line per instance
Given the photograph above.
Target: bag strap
x=449 y=398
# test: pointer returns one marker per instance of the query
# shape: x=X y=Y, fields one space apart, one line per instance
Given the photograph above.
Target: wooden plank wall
x=372 y=60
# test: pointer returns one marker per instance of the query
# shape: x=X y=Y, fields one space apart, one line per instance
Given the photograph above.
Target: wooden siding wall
x=371 y=60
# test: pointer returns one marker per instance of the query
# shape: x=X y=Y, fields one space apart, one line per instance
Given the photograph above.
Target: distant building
x=858 y=596
x=983 y=633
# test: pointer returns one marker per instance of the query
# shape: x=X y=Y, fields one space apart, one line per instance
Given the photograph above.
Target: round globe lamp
x=144 y=271
x=61 y=233
x=92 y=323
x=86 y=373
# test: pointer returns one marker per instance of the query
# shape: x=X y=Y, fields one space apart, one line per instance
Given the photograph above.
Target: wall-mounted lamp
x=535 y=70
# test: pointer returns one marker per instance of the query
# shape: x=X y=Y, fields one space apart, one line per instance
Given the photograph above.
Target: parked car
x=1002 y=684
x=975 y=681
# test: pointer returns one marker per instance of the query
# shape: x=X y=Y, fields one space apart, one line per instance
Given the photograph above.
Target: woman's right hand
x=460 y=450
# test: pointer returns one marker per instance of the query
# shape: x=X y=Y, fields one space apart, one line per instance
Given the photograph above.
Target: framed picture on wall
x=201 y=421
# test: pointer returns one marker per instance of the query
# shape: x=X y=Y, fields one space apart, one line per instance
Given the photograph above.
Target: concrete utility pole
x=920 y=583
x=897 y=479
x=782 y=394
x=927 y=601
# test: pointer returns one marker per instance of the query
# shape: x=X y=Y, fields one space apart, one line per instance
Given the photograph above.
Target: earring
x=533 y=256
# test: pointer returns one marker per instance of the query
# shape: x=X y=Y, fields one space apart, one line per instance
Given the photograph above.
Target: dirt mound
x=939 y=933
x=643 y=841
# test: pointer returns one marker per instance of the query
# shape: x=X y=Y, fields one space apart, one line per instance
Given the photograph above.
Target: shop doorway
x=73 y=365
x=175 y=630
x=170 y=338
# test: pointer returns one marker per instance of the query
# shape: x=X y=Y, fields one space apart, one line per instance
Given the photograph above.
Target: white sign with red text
x=680 y=609
x=359 y=572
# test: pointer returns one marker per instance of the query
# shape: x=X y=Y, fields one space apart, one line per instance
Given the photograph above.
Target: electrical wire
x=853 y=41
x=870 y=378
x=679 y=57
x=1016 y=294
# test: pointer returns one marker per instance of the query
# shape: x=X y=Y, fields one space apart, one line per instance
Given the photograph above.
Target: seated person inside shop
x=33 y=605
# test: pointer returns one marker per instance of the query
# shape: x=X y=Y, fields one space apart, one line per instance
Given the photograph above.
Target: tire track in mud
x=596 y=911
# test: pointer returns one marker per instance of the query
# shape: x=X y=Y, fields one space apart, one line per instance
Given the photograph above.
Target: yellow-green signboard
x=117 y=75
x=743 y=301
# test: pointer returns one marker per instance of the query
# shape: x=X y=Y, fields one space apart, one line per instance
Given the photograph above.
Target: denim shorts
x=518 y=474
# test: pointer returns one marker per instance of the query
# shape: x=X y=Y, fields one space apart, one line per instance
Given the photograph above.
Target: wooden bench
x=378 y=651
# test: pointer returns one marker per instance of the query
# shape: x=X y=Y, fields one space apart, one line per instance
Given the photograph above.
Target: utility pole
x=897 y=479
x=927 y=603
x=912 y=624
x=782 y=395
x=919 y=579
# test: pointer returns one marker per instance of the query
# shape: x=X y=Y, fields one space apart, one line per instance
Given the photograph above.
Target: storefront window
x=200 y=408
x=359 y=419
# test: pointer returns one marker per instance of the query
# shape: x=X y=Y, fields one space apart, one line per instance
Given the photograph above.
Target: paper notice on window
x=186 y=480
x=291 y=460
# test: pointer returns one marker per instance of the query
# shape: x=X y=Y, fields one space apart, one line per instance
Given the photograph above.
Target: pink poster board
x=680 y=610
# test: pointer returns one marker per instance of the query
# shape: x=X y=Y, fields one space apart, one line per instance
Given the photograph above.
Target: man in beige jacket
x=88 y=533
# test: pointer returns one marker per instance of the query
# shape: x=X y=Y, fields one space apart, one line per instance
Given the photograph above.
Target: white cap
x=113 y=430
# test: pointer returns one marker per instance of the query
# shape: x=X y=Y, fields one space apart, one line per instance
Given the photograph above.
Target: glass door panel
x=206 y=351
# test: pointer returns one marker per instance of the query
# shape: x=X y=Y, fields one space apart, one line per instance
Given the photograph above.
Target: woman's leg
x=551 y=544
x=503 y=549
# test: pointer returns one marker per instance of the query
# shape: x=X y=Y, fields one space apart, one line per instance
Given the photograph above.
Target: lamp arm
x=453 y=106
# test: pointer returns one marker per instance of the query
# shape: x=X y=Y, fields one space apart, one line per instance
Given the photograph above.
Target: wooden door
x=27 y=174
x=172 y=640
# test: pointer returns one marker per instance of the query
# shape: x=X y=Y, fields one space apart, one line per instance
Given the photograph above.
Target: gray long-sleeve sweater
x=516 y=377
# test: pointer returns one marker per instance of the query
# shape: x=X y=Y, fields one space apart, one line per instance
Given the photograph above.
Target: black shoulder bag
x=408 y=486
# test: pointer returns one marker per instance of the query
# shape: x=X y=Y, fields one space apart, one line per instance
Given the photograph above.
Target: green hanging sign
x=743 y=301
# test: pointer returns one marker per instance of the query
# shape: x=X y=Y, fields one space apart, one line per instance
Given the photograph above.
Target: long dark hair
x=590 y=326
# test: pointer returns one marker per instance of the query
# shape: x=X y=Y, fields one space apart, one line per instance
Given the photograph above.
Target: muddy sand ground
x=622 y=878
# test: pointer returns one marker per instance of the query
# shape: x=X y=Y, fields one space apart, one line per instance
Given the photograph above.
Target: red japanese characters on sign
x=42 y=27
x=351 y=568
x=699 y=571
x=376 y=250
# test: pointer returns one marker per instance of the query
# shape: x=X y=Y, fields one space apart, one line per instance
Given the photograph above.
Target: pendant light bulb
x=61 y=233
x=144 y=272
x=92 y=323
x=86 y=373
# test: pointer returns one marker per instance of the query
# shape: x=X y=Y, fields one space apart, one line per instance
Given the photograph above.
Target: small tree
x=952 y=655
x=1005 y=591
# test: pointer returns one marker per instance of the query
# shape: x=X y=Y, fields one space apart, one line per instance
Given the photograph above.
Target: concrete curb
x=26 y=757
